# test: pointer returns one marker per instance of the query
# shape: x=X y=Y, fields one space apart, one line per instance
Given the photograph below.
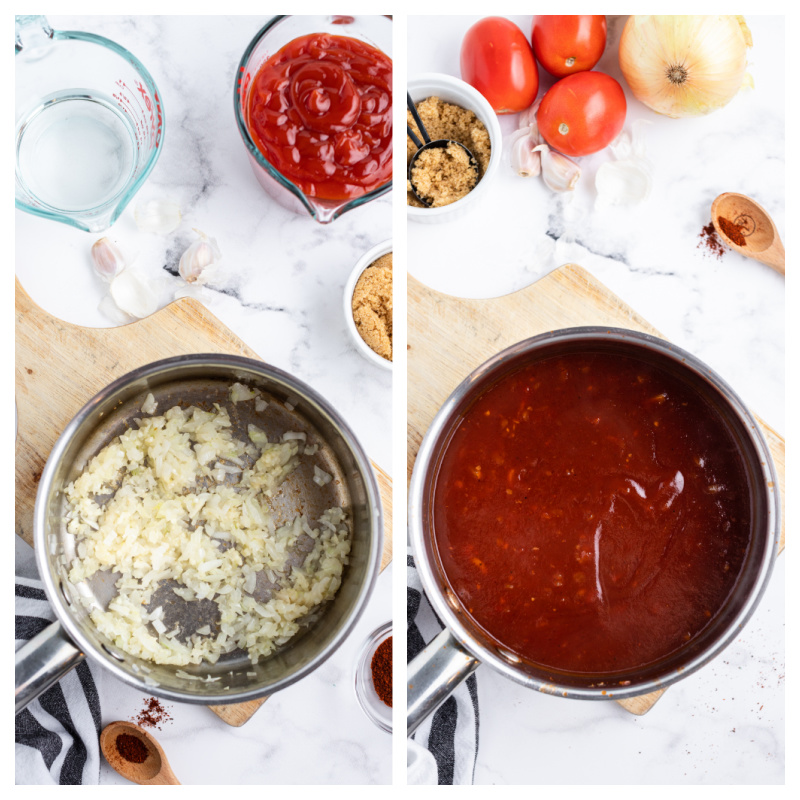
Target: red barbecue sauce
x=592 y=513
x=320 y=111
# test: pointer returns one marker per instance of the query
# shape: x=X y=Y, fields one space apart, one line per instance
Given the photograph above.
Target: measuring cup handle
x=433 y=675
x=40 y=662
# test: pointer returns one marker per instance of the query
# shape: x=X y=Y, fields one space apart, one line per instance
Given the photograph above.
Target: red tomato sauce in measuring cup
x=320 y=111
x=592 y=512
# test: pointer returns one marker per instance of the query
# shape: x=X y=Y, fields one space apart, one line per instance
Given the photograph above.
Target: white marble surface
x=724 y=724
x=280 y=291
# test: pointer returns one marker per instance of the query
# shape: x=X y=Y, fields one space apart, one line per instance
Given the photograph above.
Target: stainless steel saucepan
x=203 y=380
x=463 y=645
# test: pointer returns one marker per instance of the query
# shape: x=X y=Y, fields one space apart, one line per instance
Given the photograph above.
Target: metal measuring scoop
x=430 y=145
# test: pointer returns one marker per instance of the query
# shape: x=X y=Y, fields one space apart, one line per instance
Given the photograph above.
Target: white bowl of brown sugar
x=452 y=109
x=368 y=305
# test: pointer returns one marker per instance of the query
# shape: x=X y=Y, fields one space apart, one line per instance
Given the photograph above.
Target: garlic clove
x=201 y=260
x=107 y=259
x=133 y=295
x=157 y=216
x=560 y=174
x=525 y=160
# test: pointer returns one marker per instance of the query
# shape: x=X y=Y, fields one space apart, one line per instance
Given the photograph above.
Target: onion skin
x=705 y=55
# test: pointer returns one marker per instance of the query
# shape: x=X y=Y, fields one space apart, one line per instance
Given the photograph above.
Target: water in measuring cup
x=75 y=151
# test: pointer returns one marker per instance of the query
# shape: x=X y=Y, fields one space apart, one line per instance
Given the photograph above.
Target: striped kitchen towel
x=450 y=734
x=57 y=735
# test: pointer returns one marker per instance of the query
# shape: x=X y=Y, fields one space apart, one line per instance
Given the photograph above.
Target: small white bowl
x=368 y=258
x=453 y=90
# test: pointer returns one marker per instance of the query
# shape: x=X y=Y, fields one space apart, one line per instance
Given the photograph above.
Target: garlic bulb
x=107 y=259
x=685 y=65
x=132 y=294
x=559 y=173
x=157 y=216
x=201 y=260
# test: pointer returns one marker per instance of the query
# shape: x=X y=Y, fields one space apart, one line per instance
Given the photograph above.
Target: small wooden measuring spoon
x=762 y=241
x=154 y=770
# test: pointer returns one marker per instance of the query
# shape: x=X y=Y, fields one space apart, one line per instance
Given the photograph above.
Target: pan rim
x=420 y=538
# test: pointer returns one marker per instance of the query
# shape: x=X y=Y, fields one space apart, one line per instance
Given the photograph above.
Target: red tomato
x=568 y=43
x=498 y=61
x=582 y=113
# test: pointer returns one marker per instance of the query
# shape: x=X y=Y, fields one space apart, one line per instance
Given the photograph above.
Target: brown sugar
x=442 y=175
x=448 y=121
x=372 y=306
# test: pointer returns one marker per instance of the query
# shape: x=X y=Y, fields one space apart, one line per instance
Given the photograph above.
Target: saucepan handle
x=434 y=674
x=40 y=662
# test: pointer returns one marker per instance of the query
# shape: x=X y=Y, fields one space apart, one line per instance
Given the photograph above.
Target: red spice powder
x=131 y=748
x=153 y=714
x=710 y=242
x=732 y=231
x=382 y=671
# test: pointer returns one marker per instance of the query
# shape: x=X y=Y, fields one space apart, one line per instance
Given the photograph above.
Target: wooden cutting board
x=448 y=337
x=59 y=366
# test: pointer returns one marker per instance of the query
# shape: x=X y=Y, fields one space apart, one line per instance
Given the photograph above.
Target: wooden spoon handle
x=774 y=257
x=164 y=778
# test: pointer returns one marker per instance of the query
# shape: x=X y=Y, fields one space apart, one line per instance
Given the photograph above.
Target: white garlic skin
x=201 y=260
x=133 y=295
x=157 y=216
x=623 y=183
x=107 y=259
x=527 y=119
x=628 y=180
x=110 y=309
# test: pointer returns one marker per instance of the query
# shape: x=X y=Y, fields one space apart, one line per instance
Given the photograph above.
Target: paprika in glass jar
x=381 y=667
x=320 y=111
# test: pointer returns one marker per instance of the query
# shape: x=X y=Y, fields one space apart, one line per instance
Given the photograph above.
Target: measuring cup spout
x=33 y=36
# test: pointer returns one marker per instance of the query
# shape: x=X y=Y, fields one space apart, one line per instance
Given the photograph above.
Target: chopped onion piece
x=321 y=477
x=240 y=392
x=149 y=406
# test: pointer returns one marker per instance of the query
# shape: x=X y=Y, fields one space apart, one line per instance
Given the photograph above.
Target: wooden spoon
x=762 y=241
x=154 y=770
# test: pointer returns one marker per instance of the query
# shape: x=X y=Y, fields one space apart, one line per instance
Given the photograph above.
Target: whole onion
x=685 y=65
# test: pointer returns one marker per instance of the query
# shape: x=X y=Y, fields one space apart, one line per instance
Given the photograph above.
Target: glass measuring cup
x=279 y=31
x=89 y=125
